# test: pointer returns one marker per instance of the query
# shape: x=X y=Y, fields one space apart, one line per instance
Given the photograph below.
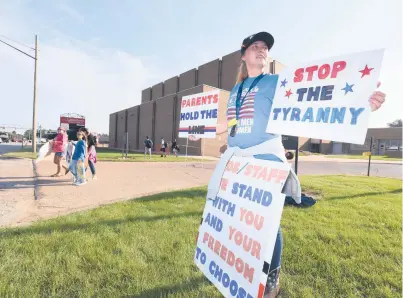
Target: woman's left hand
x=377 y=99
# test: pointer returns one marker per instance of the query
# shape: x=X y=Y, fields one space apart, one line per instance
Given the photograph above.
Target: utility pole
x=369 y=158
x=34 y=104
x=35 y=71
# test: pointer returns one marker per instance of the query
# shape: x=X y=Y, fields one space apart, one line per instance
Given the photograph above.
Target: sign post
x=291 y=143
x=296 y=157
x=369 y=157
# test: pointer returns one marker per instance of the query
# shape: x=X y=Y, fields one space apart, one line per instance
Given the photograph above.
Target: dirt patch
x=44 y=197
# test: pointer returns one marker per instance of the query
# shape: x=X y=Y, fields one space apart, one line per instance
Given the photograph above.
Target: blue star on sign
x=348 y=88
x=283 y=83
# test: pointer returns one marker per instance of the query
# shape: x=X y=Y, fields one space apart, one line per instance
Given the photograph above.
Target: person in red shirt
x=59 y=145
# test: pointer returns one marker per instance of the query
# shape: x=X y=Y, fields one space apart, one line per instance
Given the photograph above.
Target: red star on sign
x=288 y=93
x=366 y=71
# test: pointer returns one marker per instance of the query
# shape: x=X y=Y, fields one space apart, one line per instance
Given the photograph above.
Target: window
x=392 y=145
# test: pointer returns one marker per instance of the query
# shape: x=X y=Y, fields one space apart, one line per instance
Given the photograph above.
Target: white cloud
x=73 y=76
x=70 y=11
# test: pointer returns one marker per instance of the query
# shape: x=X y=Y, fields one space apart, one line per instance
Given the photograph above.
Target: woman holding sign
x=248 y=112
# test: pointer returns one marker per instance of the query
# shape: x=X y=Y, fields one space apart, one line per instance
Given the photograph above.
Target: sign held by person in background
x=238 y=229
x=327 y=99
x=199 y=114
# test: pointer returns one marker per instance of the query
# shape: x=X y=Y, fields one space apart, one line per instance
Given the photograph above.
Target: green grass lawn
x=106 y=154
x=374 y=157
x=348 y=245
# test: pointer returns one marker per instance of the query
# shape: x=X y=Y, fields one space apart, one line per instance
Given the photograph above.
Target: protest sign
x=326 y=99
x=238 y=230
x=199 y=113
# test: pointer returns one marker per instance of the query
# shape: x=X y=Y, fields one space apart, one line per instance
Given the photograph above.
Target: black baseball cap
x=266 y=37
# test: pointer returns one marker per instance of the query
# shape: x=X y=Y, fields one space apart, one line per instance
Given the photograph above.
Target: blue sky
x=97 y=56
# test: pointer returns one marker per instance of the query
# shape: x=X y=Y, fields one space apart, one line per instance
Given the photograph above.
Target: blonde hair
x=243 y=70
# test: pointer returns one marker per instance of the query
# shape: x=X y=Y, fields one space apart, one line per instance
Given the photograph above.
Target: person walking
x=175 y=147
x=164 y=146
x=148 y=144
x=252 y=98
x=91 y=157
x=58 y=146
x=77 y=165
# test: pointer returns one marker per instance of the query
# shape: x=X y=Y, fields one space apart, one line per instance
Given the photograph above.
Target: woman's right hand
x=222 y=128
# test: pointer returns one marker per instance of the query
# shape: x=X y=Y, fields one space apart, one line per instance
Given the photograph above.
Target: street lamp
x=34 y=103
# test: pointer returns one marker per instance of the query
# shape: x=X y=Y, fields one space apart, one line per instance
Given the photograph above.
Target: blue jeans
x=92 y=167
x=274 y=270
x=278 y=247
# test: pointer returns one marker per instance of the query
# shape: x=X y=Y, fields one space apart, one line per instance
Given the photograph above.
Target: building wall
x=304 y=144
x=187 y=79
x=164 y=119
x=326 y=147
x=112 y=129
x=157 y=91
x=277 y=67
x=208 y=74
x=171 y=86
x=391 y=137
x=146 y=122
x=132 y=127
x=146 y=95
x=121 y=129
x=229 y=70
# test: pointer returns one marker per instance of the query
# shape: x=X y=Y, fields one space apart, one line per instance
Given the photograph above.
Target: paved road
x=9 y=147
x=349 y=168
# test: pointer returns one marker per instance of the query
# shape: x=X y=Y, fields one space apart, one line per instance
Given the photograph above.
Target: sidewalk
x=116 y=182
x=16 y=189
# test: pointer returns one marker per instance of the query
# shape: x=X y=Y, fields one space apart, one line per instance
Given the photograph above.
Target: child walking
x=92 y=158
x=77 y=166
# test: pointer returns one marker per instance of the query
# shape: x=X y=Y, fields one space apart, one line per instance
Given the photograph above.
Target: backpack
x=148 y=143
x=165 y=144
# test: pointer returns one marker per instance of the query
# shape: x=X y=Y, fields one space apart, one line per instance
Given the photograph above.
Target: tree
x=28 y=134
x=396 y=123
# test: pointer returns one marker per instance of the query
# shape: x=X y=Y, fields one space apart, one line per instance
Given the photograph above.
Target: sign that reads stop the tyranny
x=199 y=114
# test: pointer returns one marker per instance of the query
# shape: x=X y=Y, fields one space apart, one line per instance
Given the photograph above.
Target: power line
x=17 y=49
x=17 y=42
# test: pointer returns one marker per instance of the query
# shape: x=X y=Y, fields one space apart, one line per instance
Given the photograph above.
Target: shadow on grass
x=365 y=194
x=90 y=226
x=191 y=193
x=165 y=291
